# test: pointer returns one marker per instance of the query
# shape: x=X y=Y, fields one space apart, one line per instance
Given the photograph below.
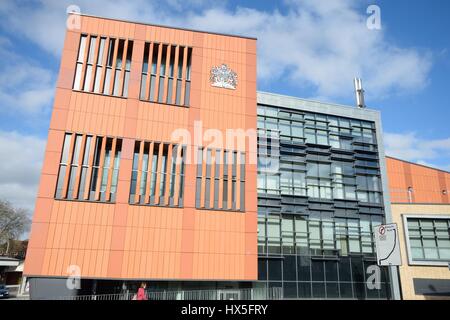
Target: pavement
x=16 y=298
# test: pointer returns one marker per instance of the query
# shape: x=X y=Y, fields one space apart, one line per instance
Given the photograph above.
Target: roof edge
x=418 y=164
x=164 y=26
x=317 y=101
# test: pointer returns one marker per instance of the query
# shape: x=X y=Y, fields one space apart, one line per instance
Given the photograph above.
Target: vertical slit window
x=234 y=181
x=75 y=162
x=162 y=181
x=84 y=166
x=198 y=186
x=118 y=67
x=74 y=166
x=153 y=72
x=106 y=165
x=179 y=75
x=126 y=78
x=90 y=61
x=145 y=72
x=187 y=91
x=225 y=180
x=98 y=72
x=134 y=172
x=63 y=165
x=109 y=62
x=183 y=160
x=144 y=169
x=115 y=173
x=162 y=73
x=171 y=75
x=173 y=171
x=208 y=178
x=147 y=169
x=217 y=178
x=95 y=167
x=154 y=169
x=242 y=182
x=80 y=61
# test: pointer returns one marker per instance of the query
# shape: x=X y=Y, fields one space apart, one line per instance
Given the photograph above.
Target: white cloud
x=44 y=21
x=410 y=147
x=25 y=86
x=21 y=159
x=324 y=44
x=313 y=43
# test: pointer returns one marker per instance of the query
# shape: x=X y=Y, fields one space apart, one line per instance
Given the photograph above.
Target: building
x=164 y=165
x=120 y=195
x=12 y=256
x=421 y=209
x=321 y=190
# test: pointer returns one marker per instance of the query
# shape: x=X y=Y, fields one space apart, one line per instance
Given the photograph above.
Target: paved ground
x=17 y=298
x=13 y=294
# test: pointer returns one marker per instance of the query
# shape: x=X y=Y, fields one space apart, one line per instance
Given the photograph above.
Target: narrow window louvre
x=127 y=69
x=187 y=91
x=78 y=159
x=154 y=174
x=74 y=165
x=80 y=62
x=109 y=63
x=89 y=67
x=134 y=172
x=144 y=74
x=99 y=67
x=63 y=165
x=84 y=167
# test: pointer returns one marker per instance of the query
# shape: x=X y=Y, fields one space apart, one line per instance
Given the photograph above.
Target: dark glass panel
x=304 y=268
x=289 y=270
x=317 y=270
x=274 y=269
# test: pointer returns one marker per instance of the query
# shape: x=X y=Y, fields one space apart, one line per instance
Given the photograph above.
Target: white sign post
x=388 y=246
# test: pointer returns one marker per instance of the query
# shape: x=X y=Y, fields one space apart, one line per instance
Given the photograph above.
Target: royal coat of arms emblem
x=223 y=77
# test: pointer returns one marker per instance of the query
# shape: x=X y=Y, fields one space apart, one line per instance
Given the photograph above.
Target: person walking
x=141 y=294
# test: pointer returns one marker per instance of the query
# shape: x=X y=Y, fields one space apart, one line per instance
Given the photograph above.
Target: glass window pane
x=82 y=48
x=98 y=77
x=87 y=79
x=431 y=253
x=318 y=270
x=318 y=289
x=444 y=254
x=274 y=269
x=289 y=268
x=417 y=253
x=106 y=87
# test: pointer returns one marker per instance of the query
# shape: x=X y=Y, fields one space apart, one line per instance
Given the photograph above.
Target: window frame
x=424 y=262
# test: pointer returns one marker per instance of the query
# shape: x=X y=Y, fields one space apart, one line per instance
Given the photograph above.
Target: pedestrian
x=141 y=294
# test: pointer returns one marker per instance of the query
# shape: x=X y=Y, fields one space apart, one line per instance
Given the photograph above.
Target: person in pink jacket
x=141 y=295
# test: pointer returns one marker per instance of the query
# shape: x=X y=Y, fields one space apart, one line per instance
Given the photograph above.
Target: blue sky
x=306 y=48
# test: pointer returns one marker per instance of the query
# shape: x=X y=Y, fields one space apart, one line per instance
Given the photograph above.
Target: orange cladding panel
x=413 y=183
x=117 y=240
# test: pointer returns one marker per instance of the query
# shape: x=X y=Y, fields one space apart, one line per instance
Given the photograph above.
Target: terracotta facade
x=118 y=240
x=426 y=185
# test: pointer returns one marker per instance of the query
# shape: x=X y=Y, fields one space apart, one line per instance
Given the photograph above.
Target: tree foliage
x=13 y=221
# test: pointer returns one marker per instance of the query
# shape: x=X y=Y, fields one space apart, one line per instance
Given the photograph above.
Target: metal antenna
x=359 y=91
